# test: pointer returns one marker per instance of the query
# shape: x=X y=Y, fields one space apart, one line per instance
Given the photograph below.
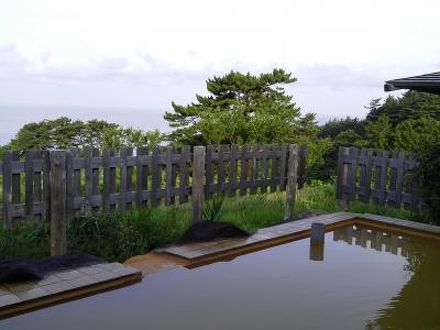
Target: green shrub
x=25 y=241
x=118 y=236
x=429 y=184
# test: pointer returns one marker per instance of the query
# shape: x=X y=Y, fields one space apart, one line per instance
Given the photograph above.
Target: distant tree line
x=65 y=133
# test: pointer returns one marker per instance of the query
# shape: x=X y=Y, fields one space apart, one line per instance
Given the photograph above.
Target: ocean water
x=12 y=118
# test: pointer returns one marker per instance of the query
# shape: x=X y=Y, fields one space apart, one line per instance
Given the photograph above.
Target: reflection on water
x=417 y=305
x=367 y=280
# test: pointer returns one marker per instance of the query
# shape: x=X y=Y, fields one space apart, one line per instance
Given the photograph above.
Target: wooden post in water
x=317 y=238
x=198 y=174
x=292 y=178
x=58 y=203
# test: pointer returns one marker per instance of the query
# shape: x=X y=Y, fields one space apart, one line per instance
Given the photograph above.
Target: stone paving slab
x=195 y=251
x=19 y=294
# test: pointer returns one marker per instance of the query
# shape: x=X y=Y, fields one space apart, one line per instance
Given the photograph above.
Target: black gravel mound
x=209 y=230
x=19 y=270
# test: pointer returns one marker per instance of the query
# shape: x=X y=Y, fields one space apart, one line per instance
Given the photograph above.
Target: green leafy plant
x=213 y=208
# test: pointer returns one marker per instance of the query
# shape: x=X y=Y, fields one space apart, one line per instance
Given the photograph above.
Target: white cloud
x=147 y=53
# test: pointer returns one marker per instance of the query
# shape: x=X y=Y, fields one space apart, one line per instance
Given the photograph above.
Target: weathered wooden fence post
x=343 y=176
x=58 y=203
x=198 y=193
x=292 y=178
x=7 y=184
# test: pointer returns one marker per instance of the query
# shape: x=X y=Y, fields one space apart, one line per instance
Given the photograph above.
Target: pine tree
x=241 y=108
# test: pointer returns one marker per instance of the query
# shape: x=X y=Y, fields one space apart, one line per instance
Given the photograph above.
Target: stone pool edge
x=126 y=276
x=199 y=254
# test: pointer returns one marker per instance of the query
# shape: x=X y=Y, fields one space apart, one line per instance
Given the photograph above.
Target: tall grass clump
x=118 y=236
x=265 y=209
x=400 y=213
x=253 y=212
x=318 y=197
x=24 y=241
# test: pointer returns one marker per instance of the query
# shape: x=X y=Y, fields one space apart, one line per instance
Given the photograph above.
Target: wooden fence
x=56 y=185
x=377 y=175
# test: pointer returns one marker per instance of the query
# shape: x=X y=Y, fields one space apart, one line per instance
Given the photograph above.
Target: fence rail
x=120 y=180
x=377 y=175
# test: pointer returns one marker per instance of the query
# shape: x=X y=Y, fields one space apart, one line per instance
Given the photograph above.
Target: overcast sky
x=144 y=54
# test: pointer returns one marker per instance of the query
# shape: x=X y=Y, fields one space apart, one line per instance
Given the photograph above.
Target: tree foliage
x=117 y=137
x=61 y=133
x=379 y=134
x=429 y=182
x=65 y=133
x=334 y=127
x=418 y=135
x=411 y=105
x=242 y=108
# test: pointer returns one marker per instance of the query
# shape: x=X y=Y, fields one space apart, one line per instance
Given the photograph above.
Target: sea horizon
x=16 y=116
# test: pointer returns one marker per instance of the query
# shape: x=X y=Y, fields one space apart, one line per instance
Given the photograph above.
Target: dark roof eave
x=429 y=83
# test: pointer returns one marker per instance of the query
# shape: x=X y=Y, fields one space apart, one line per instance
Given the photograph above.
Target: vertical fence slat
x=16 y=184
x=340 y=178
x=58 y=203
x=169 y=176
x=70 y=192
x=112 y=179
x=129 y=181
x=292 y=179
x=156 y=178
x=123 y=180
x=354 y=152
x=183 y=174
x=254 y=169
x=209 y=172
x=282 y=173
x=274 y=163
x=76 y=177
x=46 y=185
x=302 y=161
x=198 y=175
x=264 y=169
x=95 y=177
x=173 y=193
x=106 y=180
x=38 y=187
x=88 y=178
x=221 y=167
x=7 y=186
x=393 y=174
x=368 y=175
x=145 y=173
x=140 y=177
x=29 y=184
x=383 y=177
x=233 y=171
x=399 y=177
x=363 y=183
x=244 y=169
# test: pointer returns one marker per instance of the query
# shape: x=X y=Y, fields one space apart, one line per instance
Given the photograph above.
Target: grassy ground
x=116 y=236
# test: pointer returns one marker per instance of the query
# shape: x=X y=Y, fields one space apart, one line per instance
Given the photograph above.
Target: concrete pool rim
x=200 y=254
